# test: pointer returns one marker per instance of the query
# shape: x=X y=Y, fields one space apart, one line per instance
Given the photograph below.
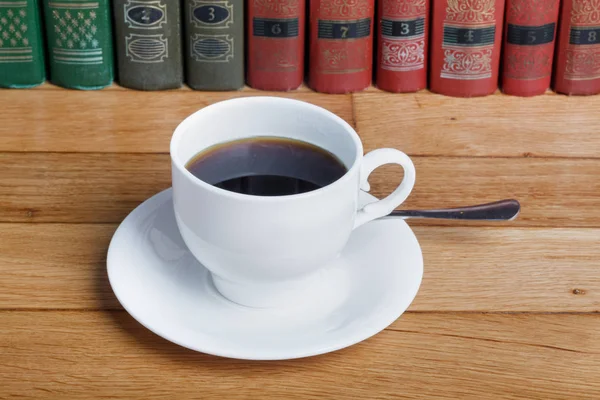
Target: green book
x=21 y=45
x=79 y=43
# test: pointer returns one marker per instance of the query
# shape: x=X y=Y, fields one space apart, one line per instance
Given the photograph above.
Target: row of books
x=458 y=48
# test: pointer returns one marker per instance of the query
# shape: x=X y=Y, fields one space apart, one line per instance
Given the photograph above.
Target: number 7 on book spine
x=341 y=45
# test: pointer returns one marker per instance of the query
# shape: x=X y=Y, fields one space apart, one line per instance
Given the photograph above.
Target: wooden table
x=505 y=311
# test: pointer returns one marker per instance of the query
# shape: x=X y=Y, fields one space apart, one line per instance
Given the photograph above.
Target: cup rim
x=181 y=129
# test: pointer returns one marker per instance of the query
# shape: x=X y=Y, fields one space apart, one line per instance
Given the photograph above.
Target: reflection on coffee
x=267 y=166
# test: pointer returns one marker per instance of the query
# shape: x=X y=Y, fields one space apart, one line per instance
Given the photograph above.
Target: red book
x=402 y=45
x=276 y=44
x=341 y=45
x=466 y=39
x=578 y=62
x=530 y=32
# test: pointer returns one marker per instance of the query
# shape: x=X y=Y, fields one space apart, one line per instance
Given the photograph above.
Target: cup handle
x=380 y=208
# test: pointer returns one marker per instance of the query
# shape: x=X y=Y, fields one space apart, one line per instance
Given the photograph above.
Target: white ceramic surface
x=265 y=251
x=161 y=284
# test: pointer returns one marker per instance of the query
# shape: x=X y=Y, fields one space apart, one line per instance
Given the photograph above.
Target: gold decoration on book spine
x=345 y=8
x=279 y=7
x=467 y=64
x=404 y=8
x=15 y=35
x=402 y=55
x=585 y=12
x=583 y=62
x=530 y=11
x=471 y=11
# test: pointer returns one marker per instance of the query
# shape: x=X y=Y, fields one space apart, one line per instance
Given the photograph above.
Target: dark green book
x=148 y=43
x=214 y=44
x=21 y=46
x=79 y=40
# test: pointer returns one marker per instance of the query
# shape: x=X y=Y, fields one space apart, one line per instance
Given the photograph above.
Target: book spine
x=79 y=35
x=403 y=34
x=214 y=44
x=341 y=45
x=466 y=39
x=22 y=61
x=529 y=38
x=148 y=44
x=578 y=56
x=276 y=44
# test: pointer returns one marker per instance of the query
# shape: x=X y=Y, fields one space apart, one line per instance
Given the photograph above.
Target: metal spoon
x=503 y=210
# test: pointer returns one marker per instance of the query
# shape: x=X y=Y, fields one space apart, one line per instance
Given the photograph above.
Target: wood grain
x=75 y=163
x=63 y=266
x=115 y=120
x=429 y=124
x=97 y=355
x=55 y=119
x=53 y=187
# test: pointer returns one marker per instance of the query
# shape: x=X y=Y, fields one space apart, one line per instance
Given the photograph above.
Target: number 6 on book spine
x=275 y=33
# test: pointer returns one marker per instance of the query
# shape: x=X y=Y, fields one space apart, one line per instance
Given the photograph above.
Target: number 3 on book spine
x=214 y=44
x=403 y=27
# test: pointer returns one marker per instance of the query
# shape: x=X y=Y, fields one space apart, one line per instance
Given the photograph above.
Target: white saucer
x=163 y=287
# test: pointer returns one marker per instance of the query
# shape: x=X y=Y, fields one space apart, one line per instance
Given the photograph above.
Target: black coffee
x=267 y=166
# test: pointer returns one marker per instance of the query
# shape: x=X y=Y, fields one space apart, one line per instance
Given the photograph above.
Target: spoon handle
x=503 y=210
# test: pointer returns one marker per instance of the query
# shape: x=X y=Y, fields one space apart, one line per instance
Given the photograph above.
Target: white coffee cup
x=263 y=251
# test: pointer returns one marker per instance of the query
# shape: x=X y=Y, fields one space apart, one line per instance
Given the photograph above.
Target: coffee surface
x=267 y=166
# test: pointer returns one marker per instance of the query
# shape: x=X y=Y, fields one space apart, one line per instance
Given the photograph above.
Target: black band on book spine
x=344 y=29
x=530 y=35
x=275 y=28
x=403 y=29
x=585 y=35
x=467 y=37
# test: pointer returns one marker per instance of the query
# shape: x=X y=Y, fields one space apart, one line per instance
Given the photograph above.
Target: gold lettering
x=344 y=30
x=404 y=29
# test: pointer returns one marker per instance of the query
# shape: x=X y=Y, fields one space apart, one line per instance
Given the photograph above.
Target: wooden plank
x=499 y=125
x=94 y=355
x=50 y=187
x=53 y=187
x=116 y=120
x=60 y=266
x=54 y=266
x=121 y=120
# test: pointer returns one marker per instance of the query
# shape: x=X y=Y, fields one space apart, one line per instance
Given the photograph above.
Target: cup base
x=267 y=295
x=328 y=282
